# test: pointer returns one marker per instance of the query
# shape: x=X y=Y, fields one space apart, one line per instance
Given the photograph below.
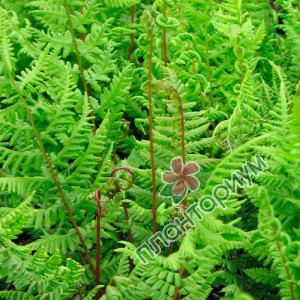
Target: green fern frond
x=22 y=185
x=121 y=3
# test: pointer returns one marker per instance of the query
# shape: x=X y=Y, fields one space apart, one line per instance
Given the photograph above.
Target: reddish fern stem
x=181 y=125
x=59 y=188
x=127 y=219
x=124 y=204
x=85 y=85
x=182 y=130
x=195 y=71
x=87 y=63
x=83 y=36
x=181 y=274
x=129 y=234
x=132 y=35
x=98 y=243
x=182 y=138
x=285 y=267
x=182 y=146
x=151 y=129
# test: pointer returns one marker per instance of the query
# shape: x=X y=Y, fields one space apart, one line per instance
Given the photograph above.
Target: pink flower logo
x=181 y=180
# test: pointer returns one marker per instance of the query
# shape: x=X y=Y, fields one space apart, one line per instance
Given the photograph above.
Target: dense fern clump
x=97 y=97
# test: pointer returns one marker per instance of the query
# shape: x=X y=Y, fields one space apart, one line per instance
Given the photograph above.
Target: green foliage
x=74 y=90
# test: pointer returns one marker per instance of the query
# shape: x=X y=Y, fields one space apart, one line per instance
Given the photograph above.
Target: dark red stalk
x=195 y=71
x=127 y=219
x=285 y=268
x=182 y=129
x=182 y=134
x=181 y=273
x=98 y=242
x=129 y=234
x=124 y=204
x=87 y=64
x=182 y=145
x=83 y=36
x=85 y=85
x=151 y=129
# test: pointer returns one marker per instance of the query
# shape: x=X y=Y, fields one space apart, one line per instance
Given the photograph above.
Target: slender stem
x=129 y=234
x=181 y=125
x=83 y=36
x=118 y=187
x=182 y=139
x=151 y=129
x=79 y=292
x=165 y=37
x=182 y=146
x=181 y=272
x=85 y=85
x=59 y=188
x=87 y=63
x=98 y=242
x=132 y=35
x=195 y=71
x=285 y=267
x=208 y=69
x=182 y=129
x=171 y=248
x=127 y=219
